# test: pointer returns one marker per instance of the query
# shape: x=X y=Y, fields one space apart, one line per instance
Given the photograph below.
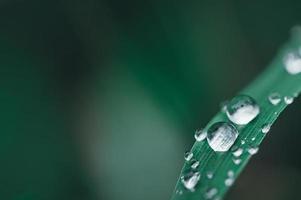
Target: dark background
x=99 y=99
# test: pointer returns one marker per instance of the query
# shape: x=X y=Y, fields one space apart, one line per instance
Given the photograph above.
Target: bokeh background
x=100 y=99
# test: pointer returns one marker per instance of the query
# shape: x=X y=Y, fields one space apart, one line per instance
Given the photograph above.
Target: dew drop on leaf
x=209 y=175
x=230 y=173
x=221 y=136
x=238 y=152
x=292 y=63
x=274 y=98
x=195 y=164
x=200 y=135
x=210 y=193
x=253 y=150
x=288 y=99
x=190 y=180
x=229 y=181
x=236 y=161
x=266 y=128
x=188 y=155
x=242 y=109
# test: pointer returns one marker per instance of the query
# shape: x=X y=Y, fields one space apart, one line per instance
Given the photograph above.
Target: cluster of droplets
x=222 y=135
x=230 y=178
x=191 y=178
x=275 y=99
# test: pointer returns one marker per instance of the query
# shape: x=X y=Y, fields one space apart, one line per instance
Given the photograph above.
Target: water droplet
x=223 y=105
x=179 y=192
x=229 y=181
x=190 y=180
x=230 y=173
x=236 y=161
x=195 y=164
x=209 y=175
x=221 y=136
x=253 y=150
x=238 y=152
x=266 y=128
x=292 y=63
x=242 y=142
x=200 y=135
x=288 y=99
x=242 y=109
x=275 y=98
x=253 y=138
x=188 y=155
x=211 y=193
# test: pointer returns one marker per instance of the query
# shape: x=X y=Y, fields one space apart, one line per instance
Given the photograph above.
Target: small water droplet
x=274 y=98
x=179 y=192
x=229 y=181
x=242 y=109
x=266 y=128
x=223 y=106
x=242 y=142
x=253 y=138
x=209 y=175
x=221 y=136
x=238 y=152
x=236 y=161
x=190 y=180
x=211 y=193
x=188 y=155
x=288 y=99
x=292 y=63
x=253 y=150
x=200 y=135
x=230 y=173
x=195 y=164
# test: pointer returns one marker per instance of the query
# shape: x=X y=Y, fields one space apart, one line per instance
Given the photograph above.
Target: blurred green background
x=100 y=99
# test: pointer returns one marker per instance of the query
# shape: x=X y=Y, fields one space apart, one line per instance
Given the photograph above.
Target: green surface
x=274 y=79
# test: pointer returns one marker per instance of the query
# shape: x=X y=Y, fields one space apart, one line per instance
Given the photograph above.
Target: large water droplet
x=188 y=155
x=288 y=99
x=238 y=152
x=242 y=109
x=190 y=180
x=266 y=128
x=221 y=136
x=200 y=135
x=292 y=63
x=275 y=98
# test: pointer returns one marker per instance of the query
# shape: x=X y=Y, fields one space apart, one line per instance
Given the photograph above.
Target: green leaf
x=274 y=79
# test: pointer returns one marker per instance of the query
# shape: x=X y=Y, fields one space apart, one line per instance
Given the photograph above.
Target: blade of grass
x=274 y=79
